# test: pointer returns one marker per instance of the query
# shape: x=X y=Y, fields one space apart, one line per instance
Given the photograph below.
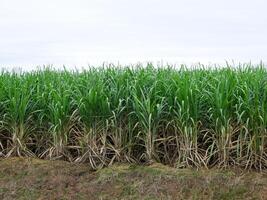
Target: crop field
x=201 y=117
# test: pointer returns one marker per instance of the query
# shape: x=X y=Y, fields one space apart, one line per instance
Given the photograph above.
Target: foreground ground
x=24 y=178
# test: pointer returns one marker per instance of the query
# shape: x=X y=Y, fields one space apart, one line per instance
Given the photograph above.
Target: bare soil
x=28 y=178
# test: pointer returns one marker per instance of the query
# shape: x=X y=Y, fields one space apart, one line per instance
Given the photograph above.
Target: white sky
x=81 y=32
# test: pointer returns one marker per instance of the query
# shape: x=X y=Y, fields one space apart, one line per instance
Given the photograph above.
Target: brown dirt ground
x=28 y=178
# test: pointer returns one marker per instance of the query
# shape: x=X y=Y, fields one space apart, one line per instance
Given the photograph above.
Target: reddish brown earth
x=24 y=178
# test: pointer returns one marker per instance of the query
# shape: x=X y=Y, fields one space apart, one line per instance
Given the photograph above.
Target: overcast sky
x=81 y=32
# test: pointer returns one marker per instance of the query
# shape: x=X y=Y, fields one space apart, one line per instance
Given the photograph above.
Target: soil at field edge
x=27 y=178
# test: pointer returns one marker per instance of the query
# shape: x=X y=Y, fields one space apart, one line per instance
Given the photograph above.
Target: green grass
x=201 y=117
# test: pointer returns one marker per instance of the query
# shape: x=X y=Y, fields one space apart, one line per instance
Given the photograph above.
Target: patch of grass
x=33 y=179
x=239 y=192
